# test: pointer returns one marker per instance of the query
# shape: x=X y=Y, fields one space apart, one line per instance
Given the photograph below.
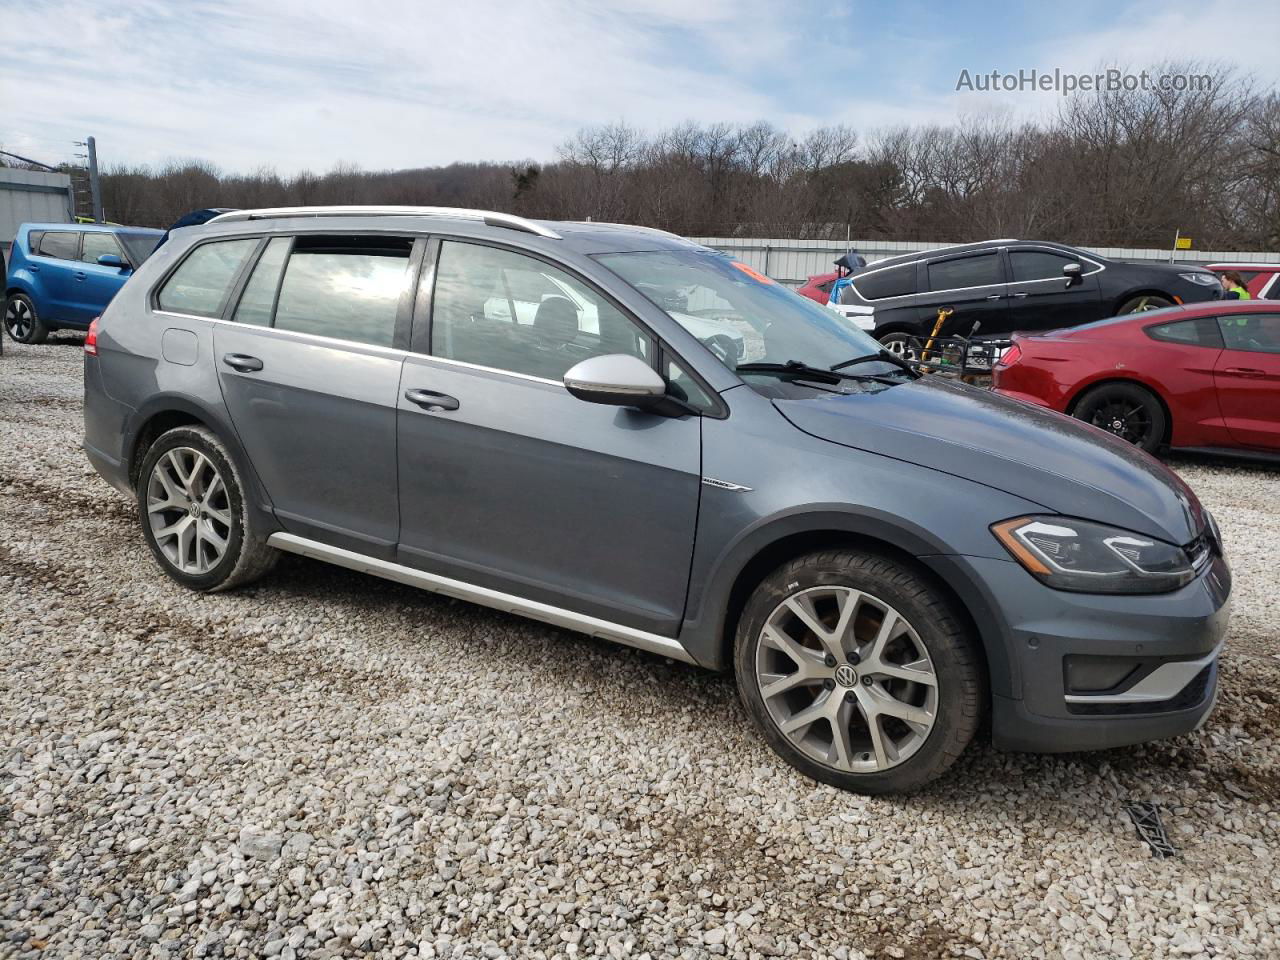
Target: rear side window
x=892 y=282
x=1271 y=291
x=63 y=246
x=1195 y=333
x=979 y=271
x=347 y=288
x=200 y=284
x=1029 y=265
x=97 y=245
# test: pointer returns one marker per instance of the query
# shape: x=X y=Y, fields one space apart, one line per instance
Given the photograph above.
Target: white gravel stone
x=327 y=765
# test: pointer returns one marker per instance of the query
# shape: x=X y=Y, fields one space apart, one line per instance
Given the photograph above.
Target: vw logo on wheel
x=846 y=676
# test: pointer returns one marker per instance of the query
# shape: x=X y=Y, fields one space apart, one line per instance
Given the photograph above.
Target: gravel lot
x=330 y=765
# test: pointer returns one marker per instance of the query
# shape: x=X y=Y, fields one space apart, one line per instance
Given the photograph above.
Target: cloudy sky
x=306 y=84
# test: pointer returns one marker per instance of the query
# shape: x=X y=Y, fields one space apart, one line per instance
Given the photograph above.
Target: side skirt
x=509 y=603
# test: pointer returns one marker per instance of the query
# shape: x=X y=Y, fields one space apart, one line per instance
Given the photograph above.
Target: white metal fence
x=794 y=261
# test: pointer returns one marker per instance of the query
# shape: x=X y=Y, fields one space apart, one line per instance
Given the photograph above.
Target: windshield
x=742 y=316
x=139 y=246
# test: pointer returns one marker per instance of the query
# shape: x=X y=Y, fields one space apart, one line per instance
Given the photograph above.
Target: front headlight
x=1086 y=557
x=1204 y=279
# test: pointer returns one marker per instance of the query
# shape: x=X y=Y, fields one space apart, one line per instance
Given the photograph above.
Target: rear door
x=54 y=262
x=973 y=286
x=1247 y=376
x=309 y=368
x=1039 y=296
x=94 y=284
x=509 y=482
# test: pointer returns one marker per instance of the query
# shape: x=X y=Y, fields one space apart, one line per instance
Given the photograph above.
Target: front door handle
x=242 y=362
x=1020 y=295
x=431 y=400
x=33 y=267
x=1252 y=373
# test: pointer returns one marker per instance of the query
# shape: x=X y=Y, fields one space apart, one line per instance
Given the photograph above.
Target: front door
x=310 y=376
x=1039 y=298
x=1247 y=376
x=508 y=482
x=973 y=287
x=96 y=284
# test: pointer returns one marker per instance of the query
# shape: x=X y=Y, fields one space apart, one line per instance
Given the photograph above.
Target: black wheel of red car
x=1129 y=411
x=1147 y=301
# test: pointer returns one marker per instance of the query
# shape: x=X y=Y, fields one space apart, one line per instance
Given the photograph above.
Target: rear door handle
x=996 y=296
x=33 y=267
x=431 y=400
x=79 y=274
x=242 y=362
x=1253 y=373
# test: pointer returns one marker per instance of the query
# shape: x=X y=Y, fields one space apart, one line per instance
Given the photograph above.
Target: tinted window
x=966 y=272
x=60 y=245
x=476 y=317
x=1257 y=332
x=199 y=286
x=33 y=240
x=893 y=282
x=259 y=297
x=347 y=288
x=680 y=384
x=139 y=246
x=97 y=245
x=1272 y=290
x=1039 y=265
x=826 y=287
x=1200 y=333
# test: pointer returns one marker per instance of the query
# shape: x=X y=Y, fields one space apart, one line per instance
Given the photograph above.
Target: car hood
x=1032 y=453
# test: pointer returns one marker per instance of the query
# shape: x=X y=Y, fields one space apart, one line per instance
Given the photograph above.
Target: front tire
x=1129 y=411
x=858 y=672
x=1148 y=301
x=901 y=344
x=22 y=321
x=193 y=513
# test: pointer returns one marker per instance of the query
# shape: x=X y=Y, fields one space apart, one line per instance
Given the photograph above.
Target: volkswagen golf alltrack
x=619 y=432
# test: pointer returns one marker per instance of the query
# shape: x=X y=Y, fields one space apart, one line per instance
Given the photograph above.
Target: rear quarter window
x=1202 y=332
x=890 y=282
x=200 y=284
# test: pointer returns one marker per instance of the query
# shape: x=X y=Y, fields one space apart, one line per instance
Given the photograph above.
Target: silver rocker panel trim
x=460 y=590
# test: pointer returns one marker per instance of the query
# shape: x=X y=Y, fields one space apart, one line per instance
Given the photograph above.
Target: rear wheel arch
x=1129 y=382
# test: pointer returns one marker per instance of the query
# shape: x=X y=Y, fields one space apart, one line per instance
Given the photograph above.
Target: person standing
x=1233 y=286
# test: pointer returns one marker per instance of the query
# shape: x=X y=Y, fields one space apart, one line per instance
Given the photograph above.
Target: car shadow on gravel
x=684 y=701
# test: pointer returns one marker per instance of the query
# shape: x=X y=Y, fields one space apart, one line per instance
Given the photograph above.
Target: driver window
x=1255 y=332
x=495 y=308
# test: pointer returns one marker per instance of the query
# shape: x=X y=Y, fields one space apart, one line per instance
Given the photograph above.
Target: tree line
x=1118 y=168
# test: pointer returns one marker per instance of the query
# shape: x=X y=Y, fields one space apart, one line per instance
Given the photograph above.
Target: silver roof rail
x=491 y=217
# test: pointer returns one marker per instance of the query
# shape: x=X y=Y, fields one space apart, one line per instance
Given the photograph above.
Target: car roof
x=975 y=247
x=92 y=228
x=1254 y=267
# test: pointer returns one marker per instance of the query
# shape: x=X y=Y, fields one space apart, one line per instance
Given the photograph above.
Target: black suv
x=1008 y=285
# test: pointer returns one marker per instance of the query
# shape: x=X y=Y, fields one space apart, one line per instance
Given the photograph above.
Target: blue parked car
x=64 y=274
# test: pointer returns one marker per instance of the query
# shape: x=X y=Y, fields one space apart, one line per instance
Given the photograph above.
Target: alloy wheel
x=901 y=346
x=846 y=679
x=189 y=510
x=18 y=319
x=1126 y=419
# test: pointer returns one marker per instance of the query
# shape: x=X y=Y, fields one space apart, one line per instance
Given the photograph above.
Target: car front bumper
x=1074 y=671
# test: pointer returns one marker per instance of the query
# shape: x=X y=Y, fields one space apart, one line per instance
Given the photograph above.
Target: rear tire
x=893 y=655
x=22 y=322
x=193 y=514
x=1145 y=302
x=1131 y=412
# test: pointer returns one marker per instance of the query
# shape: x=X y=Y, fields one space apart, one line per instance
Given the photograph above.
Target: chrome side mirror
x=618 y=379
x=1072 y=271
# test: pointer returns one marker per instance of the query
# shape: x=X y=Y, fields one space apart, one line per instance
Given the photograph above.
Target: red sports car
x=818 y=287
x=1201 y=377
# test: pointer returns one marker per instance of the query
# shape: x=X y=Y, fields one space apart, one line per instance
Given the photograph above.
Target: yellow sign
x=1184 y=243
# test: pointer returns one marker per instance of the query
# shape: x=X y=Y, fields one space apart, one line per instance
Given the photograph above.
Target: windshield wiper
x=882 y=355
x=802 y=371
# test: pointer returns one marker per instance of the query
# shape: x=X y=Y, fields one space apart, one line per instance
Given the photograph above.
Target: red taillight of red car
x=1010 y=356
x=91 y=341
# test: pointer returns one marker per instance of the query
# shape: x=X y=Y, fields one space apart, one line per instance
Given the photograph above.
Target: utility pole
x=95 y=189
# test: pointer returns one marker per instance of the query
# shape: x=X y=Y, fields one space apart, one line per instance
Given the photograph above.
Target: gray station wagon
x=617 y=431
